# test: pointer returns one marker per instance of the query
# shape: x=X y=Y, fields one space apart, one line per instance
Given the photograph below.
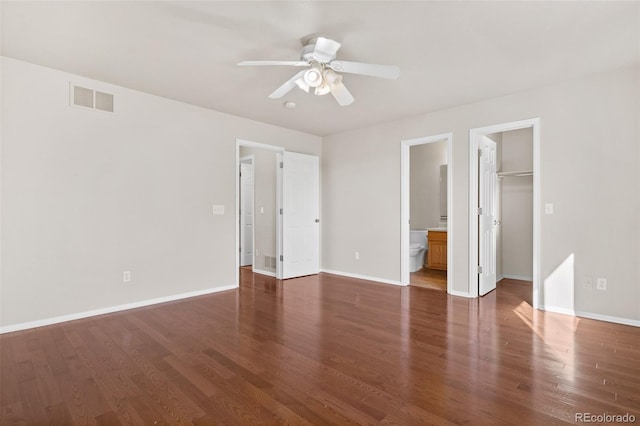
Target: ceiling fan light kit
x=313 y=76
x=319 y=55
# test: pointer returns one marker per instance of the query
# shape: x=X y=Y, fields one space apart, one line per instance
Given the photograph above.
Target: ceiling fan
x=319 y=59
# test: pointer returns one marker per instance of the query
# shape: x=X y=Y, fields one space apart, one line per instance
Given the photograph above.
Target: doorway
x=285 y=222
x=489 y=176
x=265 y=201
x=246 y=211
x=438 y=228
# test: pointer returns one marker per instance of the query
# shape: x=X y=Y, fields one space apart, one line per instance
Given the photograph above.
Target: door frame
x=249 y=159
x=278 y=150
x=405 y=195
x=474 y=137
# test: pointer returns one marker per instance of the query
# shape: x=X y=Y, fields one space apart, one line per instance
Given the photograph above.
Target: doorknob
x=317 y=220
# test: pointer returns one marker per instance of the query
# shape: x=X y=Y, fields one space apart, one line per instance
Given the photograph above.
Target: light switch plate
x=548 y=208
x=218 y=209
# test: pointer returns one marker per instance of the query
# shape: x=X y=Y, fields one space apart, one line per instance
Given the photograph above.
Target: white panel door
x=246 y=214
x=487 y=217
x=300 y=216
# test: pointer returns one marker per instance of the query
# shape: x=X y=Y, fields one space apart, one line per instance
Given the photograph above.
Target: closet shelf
x=521 y=173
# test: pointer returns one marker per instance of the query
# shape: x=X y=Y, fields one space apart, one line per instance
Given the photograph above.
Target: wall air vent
x=89 y=98
x=104 y=101
x=270 y=262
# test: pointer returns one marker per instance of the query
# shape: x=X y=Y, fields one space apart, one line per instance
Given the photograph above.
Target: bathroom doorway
x=426 y=226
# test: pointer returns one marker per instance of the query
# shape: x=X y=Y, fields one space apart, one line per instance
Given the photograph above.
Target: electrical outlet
x=356 y=255
x=218 y=209
x=126 y=276
x=601 y=284
x=587 y=282
x=548 y=208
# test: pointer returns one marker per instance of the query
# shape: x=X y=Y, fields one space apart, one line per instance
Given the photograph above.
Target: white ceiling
x=449 y=53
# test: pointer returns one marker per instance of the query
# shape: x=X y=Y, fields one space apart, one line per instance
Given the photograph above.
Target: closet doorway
x=426 y=222
x=504 y=225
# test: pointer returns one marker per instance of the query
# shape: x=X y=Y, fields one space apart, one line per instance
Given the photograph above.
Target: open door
x=300 y=215
x=246 y=212
x=487 y=216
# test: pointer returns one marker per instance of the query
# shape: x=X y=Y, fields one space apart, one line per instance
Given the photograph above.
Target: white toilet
x=417 y=249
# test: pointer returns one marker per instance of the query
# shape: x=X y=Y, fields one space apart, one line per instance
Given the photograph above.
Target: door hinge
x=281 y=258
x=280 y=211
x=479 y=269
x=281 y=164
x=479 y=211
x=479 y=153
x=240 y=174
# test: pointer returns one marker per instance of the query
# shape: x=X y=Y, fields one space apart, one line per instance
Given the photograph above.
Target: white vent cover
x=104 y=101
x=270 y=262
x=89 y=98
x=82 y=96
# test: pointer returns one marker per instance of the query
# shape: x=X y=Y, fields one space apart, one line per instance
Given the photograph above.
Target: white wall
x=424 y=179
x=264 y=169
x=87 y=195
x=517 y=205
x=589 y=170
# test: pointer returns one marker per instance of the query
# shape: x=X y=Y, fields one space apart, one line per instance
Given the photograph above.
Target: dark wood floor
x=323 y=350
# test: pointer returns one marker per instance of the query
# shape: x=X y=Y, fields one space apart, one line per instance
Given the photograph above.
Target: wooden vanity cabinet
x=437 y=253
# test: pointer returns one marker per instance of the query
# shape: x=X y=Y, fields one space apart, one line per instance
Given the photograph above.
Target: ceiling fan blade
x=383 y=71
x=260 y=63
x=325 y=49
x=286 y=87
x=342 y=95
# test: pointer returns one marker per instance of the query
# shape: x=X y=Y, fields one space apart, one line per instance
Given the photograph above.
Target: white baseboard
x=557 y=310
x=461 y=294
x=263 y=272
x=617 y=320
x=362 y=277
x=591 y=315
x=514 y=277
x=111 y=309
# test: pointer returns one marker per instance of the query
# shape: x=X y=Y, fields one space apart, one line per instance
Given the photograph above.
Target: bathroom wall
x=425 y=161
x=517 y=205
x=264 y=170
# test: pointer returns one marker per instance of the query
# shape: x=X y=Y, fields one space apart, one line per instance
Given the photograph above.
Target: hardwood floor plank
x=12 y=414
x=32 y=403
x=172 y=403
x=108 y=419
x=59 y=414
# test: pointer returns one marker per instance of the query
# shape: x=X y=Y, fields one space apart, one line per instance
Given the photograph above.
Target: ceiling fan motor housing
x=313 y=53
